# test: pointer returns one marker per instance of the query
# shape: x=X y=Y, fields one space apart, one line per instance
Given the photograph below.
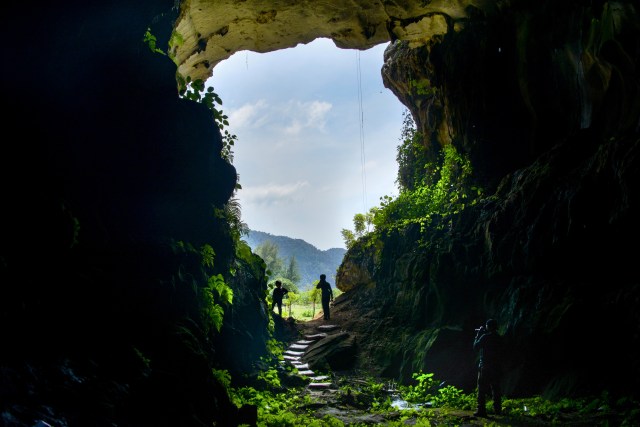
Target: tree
x=292 y=272
x=268 y=251
x=411 y=155
x=294 y=298
x=362 y=225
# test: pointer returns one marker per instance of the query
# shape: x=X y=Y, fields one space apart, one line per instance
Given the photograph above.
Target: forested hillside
x=312 y=261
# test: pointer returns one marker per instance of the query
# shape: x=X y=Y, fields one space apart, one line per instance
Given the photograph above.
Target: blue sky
x=303 y=138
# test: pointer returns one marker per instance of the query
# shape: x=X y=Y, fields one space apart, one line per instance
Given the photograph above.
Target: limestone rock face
x=543 y=98
x=208 y=32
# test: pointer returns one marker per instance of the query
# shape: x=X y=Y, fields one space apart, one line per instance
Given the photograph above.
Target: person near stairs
x=489 y=345
x=327 y=295
x=276 y=297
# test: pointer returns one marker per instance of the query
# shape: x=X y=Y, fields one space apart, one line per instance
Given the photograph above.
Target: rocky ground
x=354 y=408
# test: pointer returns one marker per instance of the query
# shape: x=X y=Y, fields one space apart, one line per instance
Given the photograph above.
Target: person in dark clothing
x=327 y=295
x=278 y=293
x=489 y=344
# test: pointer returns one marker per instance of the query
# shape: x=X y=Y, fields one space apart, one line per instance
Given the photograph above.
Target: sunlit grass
x=300 y=312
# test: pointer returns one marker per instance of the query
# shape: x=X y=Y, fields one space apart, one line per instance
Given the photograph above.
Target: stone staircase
x=294 y=353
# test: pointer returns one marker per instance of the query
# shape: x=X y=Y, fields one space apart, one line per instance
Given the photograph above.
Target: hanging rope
x=361 y=122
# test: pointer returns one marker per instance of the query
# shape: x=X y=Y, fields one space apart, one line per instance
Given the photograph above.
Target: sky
x=317 y=137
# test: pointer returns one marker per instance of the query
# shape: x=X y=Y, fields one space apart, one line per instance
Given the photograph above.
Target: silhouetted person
x=489 y=344
x=327 y=295
x=278 y=293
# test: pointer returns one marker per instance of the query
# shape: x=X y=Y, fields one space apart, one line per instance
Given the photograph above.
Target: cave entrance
x=309 y=154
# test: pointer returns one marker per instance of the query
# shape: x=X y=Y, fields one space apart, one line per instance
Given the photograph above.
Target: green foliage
x=278 y=268
x=216 y=292
x=176 y=40
x=146 y=362
x=268 y=251
x=449 y=194
x=292 y=272
x=150 y=40
x=223 y=376
x=368 y=394
x=195 y=91
x=276 y=349
x=208 y=255
x=422 y=87
x=293 y=407
x=348 y=237
x=270 y=377
x=411 y=155
x=362 y=225
x=423 y=391
x=278 y=409
x=429 y=189
x=231 y=214
x=452 y=397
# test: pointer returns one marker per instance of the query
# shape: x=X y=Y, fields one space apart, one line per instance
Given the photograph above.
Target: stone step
x=298 y=346
x=315 y=337
x=294 y=353
x=301 y=342
x=291 y=358
x=319 y=378
x=307 y=373
x=327 y=327
x=319 y=385
x=301 y=366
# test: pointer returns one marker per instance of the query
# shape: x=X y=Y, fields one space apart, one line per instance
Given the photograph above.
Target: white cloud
x=246 y=115
x=272 y=193
x=305 y=115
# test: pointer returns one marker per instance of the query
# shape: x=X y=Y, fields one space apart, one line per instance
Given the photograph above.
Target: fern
x=225 y=293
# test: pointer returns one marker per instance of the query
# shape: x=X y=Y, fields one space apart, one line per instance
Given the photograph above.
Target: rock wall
x=543 y=98
x=108 y=177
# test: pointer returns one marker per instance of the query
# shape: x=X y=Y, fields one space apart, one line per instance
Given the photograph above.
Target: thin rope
x=361 y=121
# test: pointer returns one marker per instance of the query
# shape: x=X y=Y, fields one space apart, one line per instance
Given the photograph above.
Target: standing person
x=327 y=295
x=488 y=343
x=278 y=293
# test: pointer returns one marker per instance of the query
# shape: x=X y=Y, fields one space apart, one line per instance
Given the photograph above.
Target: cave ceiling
x=210 y=31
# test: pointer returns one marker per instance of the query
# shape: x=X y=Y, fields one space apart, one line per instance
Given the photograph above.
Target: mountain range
x=312 y=262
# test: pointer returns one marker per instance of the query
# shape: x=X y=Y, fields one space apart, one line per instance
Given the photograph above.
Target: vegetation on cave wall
x=429 y=189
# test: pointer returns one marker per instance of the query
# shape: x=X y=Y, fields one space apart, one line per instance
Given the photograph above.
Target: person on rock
x=327 y=295
x=489 y=345
x=278 y=293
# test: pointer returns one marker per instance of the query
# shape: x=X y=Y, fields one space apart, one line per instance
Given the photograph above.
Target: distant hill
x=312 y=261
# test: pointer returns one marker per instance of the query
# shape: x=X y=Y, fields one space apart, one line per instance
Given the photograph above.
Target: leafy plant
x=223 y=376
x=270 y=377
x=231 y=214
x=195 y=91
x=429 y=189
x=362 y=225
x=215 y=293
x=423 y=391
x=293 y=407
x=150 y=40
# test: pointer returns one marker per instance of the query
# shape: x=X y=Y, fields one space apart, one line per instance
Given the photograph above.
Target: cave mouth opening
x=317 y=135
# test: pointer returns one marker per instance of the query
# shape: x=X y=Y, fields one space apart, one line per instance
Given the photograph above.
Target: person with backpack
x=327 y=295
x=278 y=293
x=489 y=344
